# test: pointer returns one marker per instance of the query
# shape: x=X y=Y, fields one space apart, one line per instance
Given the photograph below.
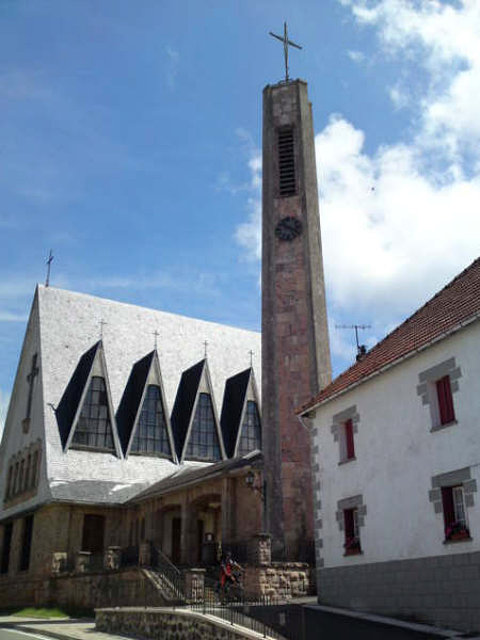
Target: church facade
x=121 y=430
x=130 y=426
x=396 y=460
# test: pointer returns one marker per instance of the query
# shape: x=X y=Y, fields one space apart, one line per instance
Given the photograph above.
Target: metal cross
x=286 y=44
x=102 y=324
x=48 y=263
x=205 y=344
x=156 y=334
x=31 y=379
x=251 y=358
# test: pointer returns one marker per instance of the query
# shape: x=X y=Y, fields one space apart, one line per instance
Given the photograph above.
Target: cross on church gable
x=31 y=381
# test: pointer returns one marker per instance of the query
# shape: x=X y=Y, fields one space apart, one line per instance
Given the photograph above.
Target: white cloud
x=7 y=316
x=356 y=56
x=398 y=223
x=248 y=234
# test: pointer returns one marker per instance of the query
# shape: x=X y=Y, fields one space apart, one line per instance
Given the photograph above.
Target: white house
x=396 y=454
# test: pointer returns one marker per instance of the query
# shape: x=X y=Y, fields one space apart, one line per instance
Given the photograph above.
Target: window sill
x=457 y=540
x=439 y=427
x=347 y=460
x=353 y=552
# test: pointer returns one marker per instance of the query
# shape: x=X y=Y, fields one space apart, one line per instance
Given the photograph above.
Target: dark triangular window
x=203 y=442
x=251 y=434
x=94 y=427
x=151 y=435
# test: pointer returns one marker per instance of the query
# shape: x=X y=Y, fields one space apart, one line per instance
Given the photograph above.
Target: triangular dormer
x=241 y=423
x=85 y=412
x=142 y=417
x=194 y=418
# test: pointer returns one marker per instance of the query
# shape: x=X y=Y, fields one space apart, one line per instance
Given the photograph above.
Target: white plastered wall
x=396 y=457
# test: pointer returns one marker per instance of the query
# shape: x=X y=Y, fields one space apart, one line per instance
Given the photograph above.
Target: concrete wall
x=398 y=454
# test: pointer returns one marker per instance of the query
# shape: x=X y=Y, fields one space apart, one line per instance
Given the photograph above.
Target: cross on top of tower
x=205 y=344
x=156 y=334
x=286 y=43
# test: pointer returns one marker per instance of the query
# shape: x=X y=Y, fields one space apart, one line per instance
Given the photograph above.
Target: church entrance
x=93 y=533
x=206 y=517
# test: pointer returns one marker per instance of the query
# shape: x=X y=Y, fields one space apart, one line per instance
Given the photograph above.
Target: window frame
x=352 y=543
x=455 y=516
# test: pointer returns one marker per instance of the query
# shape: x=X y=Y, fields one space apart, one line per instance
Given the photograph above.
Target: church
x=135 y=435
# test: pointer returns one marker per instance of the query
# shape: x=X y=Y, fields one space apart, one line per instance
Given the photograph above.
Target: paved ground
x=310 y=622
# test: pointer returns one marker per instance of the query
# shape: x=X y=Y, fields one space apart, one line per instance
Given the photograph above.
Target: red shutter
x=350 y=446
x=445 y=400
x=448 y=508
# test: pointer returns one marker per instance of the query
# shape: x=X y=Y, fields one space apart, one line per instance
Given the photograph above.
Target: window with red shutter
x=445 y=400
x=352 y=539
x=349 y=443
x=454 y=514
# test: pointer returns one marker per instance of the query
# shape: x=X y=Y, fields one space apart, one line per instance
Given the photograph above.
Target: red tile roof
x=456 y=304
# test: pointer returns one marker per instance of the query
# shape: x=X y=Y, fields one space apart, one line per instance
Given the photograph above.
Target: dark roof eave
x=191 y=478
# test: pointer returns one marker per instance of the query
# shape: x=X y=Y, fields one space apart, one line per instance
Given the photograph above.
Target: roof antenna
x=361 y=348
x=48 y=263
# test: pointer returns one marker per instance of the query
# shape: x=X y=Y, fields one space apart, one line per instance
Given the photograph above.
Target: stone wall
x=443 y=590
x=279 y=580
x=167 y=624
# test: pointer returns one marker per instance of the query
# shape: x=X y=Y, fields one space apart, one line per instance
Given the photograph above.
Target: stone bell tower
x=295 y=344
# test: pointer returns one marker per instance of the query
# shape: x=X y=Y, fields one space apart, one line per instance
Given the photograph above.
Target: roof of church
x=187 y=476
x=68 y=405
x=68 y=343
x=233 y=403
x=451 y=308
x=131 y=398
x=184 y=403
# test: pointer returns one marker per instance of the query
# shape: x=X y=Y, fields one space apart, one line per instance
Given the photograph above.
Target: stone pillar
x=113 y=558
x=59 y=562
x=194 y=584
x=82 y=561
x=185 y=549
x=260 y=550
x=145 y=554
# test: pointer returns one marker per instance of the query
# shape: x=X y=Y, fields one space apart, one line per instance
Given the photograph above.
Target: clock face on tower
x=288 y=228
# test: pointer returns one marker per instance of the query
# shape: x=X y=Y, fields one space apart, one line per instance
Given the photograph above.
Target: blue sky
x=130 y=136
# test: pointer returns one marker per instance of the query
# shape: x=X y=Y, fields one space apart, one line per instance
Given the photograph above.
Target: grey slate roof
x=184 y=402
x=187 y=476
x=69 y=324
x=68 y=405
x=131 y=398
x=233 y=402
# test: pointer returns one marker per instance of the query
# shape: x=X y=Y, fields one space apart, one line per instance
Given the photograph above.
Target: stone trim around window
x=338 y=420
x=355 y=502
x=458 y=477
x=427 y=391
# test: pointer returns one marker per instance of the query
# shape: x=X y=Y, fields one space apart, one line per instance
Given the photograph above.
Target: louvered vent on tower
x=286 y=162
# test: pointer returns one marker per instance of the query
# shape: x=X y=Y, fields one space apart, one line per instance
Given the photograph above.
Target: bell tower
x=295 y=344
